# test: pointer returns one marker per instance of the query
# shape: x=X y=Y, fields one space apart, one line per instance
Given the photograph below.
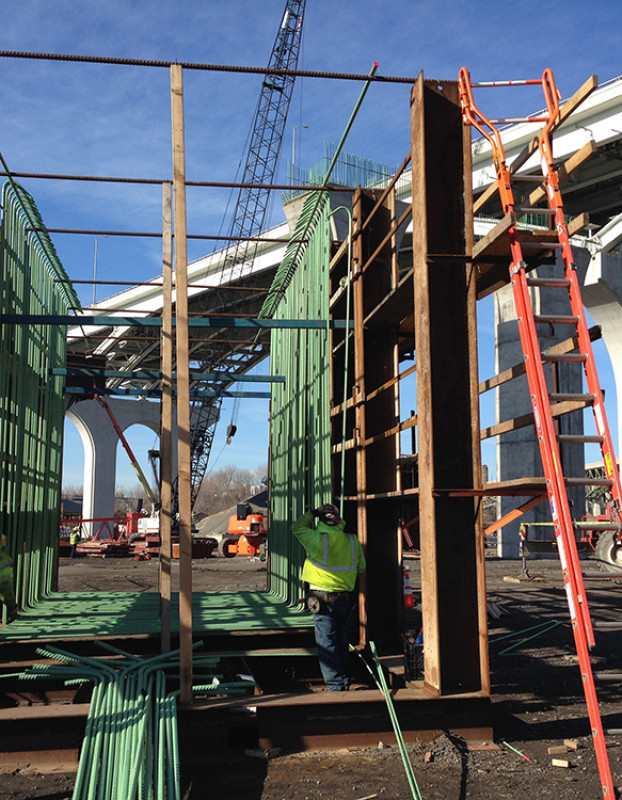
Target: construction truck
x=247 y=533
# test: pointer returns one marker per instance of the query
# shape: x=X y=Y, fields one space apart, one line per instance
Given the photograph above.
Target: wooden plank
x=389 y=189
x=444 y=305
x=166 y=421
x=411 y=422
x=394 y=306
x=358 y=314
x=578 y=223
x=531 y=147
x=44 y=711
x=183 y=388
x=514 y=514
x=496 y=244
x=494 y=273
x=383 y=425
x=557 y=410
x=566 y=346
x=409 y=371
x=565 y=170
x=516 y=487
x=341 y=252
x=389 y=236
x=488 y=241
x=392 y=381
x=389 y=495
x=471 y=271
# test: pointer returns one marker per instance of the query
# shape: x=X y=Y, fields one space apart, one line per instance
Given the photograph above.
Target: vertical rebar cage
x=300 y=420
x=32 y=281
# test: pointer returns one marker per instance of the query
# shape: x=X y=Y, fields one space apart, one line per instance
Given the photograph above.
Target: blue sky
x=115 y=120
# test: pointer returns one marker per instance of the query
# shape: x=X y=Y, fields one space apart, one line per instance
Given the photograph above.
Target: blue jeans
x=331 y=638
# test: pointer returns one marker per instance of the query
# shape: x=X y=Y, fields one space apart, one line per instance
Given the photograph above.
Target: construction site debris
x=571 y=744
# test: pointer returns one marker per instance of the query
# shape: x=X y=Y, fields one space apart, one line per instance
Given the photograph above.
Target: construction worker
x=334 y=560
x=7 y=592
x=74 y=538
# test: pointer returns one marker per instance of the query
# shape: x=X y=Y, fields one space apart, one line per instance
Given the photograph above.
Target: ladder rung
x=514 y=120
x=538 y=178
x=597 y=526
x=603 y=575
x=548 y=245
x=577 y=357
x=557 y=319
x=606 y=625
x=588 y=482
x=513 y=82
x=608 y=676
x=532 y=210
x=551 y=283
x=560 y=396
x=570 y=438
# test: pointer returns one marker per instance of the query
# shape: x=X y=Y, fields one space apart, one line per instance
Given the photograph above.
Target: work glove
x=327 y=513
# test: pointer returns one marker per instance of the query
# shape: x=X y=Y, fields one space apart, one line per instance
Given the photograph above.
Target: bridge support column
x=518 y=454
x=602 y=296
x=100 y=448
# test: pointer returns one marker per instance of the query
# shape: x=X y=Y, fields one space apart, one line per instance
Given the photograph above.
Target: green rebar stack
x=130 y=748
x=31 y=400
x=96 y=614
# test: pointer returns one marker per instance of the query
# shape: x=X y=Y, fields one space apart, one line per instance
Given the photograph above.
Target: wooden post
x=358 y=392
x=452 y=574
x=183 y=389
x=166 y=421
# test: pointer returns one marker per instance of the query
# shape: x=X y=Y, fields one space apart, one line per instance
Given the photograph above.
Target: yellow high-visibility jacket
x=334 y=558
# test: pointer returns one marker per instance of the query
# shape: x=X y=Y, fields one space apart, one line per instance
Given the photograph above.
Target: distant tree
x=226 y=487
x=71 y=491
x=127 y=499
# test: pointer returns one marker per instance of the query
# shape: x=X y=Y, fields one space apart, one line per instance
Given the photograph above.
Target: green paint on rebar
x=94 y=615
x=130 y=749
x=32 y=281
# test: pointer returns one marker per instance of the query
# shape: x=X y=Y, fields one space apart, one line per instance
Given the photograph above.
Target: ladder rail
x=549 y=449
x=576 y=302
x=540 y=396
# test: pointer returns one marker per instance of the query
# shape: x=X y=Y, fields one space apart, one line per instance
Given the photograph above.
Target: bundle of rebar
x=130 y=747
x=121 y=614
x=300 y=425
x=31 y=399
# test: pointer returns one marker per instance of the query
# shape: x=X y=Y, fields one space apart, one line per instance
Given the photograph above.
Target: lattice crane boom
x=266 y=137
x=249 y=219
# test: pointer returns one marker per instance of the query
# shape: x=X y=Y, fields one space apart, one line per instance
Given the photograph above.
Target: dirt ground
x=537 y=703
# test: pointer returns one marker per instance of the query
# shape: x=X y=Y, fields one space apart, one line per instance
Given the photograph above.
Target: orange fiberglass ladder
x=541 y=398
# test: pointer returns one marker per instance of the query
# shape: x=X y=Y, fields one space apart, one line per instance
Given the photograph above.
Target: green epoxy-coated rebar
x=381 y=683
x=300 y=419
x=130 y=748
x=539 y=630
x=95 y=615
x=31 y=402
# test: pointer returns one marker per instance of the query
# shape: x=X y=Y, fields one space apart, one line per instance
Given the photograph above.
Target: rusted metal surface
x=43 y=738
x=341 y=719
x=453 y=592
x=303 y=73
